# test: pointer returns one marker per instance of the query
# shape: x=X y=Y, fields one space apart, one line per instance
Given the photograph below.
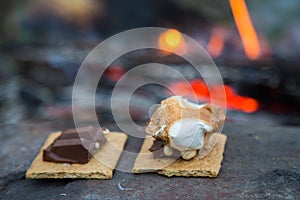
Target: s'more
x=183 y=140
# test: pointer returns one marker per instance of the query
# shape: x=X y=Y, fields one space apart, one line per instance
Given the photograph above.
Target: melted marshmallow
x=188 y=134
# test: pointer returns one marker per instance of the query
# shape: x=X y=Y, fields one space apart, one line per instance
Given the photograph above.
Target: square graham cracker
x=101 y=166
x=208 y=166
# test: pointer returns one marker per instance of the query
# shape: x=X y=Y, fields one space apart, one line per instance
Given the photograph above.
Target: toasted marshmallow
x=182 y=125
x=188 y=134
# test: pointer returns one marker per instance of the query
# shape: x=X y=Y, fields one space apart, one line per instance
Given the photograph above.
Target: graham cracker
x=209 y=166
x=101 y=166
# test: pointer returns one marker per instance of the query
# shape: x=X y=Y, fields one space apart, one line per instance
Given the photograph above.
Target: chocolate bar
x=75 y=146
x=157 y=144
x=157 y=150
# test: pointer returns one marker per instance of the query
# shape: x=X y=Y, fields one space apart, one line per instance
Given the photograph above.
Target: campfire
x=233 y=100
x=256 y=78
x=173 y=41
x=246 y=29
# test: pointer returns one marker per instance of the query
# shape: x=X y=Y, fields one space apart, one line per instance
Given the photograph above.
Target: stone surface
x=259 y=162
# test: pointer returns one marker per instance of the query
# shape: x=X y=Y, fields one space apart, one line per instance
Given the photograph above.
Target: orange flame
x=245 y=28
x=172 y=41
x=216 y=43
x=198 y=87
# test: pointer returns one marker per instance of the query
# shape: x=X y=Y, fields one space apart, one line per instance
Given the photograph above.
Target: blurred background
x=255 y=44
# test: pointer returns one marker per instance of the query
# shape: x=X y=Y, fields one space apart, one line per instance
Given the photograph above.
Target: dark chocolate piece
x=157 y=144
x=158 y=150
x=75 y=146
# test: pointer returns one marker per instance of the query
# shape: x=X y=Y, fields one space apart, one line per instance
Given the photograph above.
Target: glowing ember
x=114 y=73
x=198 y=87
x=245 y=28
x=249 y=105
x=173 y=41
x=216 y=42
